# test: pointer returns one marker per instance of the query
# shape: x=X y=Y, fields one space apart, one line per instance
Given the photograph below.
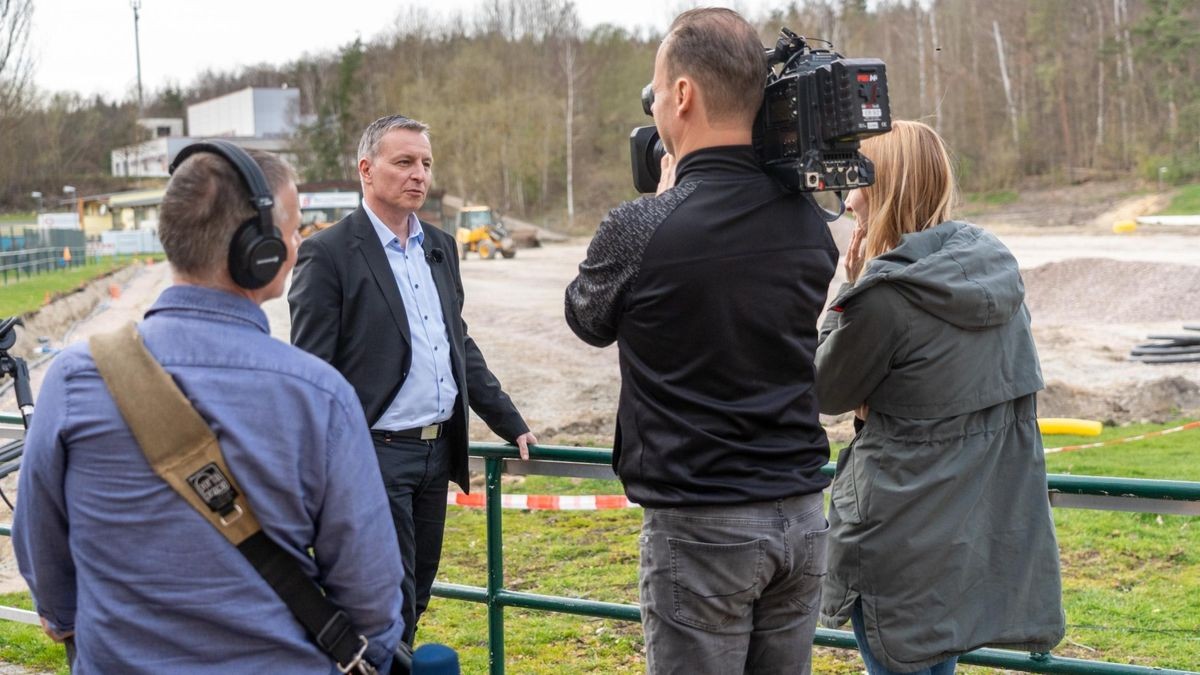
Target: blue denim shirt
x=428 y=393
x=114 y=553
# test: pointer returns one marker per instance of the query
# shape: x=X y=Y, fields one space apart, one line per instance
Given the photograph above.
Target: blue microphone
x=435 y=659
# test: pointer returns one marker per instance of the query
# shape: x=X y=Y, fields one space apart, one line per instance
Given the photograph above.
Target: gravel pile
x=1157 y=401
x=1097 y=290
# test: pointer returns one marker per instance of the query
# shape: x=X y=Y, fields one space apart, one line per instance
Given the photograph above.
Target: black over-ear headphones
x=257 y=250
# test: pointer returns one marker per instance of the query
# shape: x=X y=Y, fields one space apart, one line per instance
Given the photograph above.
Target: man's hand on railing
x=524 y=441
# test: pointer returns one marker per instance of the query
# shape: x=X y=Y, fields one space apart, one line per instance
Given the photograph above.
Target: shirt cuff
x=59 y=627
x=382 y=647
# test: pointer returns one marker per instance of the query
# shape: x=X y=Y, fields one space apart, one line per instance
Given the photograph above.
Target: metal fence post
x=495 y=566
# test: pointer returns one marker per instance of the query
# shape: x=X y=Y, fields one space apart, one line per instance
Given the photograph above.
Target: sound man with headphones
x=112 y=553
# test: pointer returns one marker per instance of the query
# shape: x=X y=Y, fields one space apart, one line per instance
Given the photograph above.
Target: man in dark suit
x=379 y=296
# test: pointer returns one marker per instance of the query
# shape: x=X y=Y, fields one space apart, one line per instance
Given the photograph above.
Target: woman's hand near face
x=854 y=252
x=856 y=205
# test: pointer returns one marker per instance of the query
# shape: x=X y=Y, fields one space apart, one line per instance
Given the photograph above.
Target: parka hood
x=947 y=308
x=955 y=271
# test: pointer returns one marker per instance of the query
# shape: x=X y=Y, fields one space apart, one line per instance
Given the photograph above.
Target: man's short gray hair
x=204 y=204
x=369 y=145
x=722 y=52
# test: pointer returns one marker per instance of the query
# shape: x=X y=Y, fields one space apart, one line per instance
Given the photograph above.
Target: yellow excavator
x=479 y=231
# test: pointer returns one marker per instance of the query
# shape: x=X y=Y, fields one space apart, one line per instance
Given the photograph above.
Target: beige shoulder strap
x=177 y=442
x=183 y=450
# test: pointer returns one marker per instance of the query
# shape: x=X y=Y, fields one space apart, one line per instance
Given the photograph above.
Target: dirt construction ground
x=1093 y=296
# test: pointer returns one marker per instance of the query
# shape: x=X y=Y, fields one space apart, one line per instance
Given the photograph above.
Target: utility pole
x=136 y=5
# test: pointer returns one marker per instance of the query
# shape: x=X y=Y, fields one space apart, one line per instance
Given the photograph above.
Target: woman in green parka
x=941 y=538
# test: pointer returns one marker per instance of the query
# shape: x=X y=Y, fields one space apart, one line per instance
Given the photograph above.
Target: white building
x=254 y=118
x=149 y=158
x=251 y=112
x=161 y=127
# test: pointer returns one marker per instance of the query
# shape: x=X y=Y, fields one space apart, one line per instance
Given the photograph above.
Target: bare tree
x=1008 y=95
x=566 y=28
x=1124 y=69
x=923 y=90
x=1101 y=69
x=935 y=45
x=15 y=68
x=15 y=65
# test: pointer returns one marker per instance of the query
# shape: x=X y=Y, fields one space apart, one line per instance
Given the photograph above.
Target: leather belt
x=430 y=432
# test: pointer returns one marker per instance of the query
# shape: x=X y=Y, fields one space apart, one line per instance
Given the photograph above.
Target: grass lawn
x=28 y=645
x=1131 y=581
x=27 y=218
x=1186 y=202
x=977 y=203
x=996 y=198
x=29 y=293
x=1170 y=457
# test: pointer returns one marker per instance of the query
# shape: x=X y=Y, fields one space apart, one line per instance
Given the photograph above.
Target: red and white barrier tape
x=1127 y=439
x=544 y=502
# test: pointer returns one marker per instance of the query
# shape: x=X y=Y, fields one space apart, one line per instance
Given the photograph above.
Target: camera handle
x=16 y=368
x=19 y=371
x=828 y=216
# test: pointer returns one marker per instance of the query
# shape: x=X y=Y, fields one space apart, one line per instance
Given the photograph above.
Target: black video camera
x=15 y=367
x=816 y=108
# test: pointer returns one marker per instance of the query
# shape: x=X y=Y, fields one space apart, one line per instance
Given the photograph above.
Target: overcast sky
x=87 y=46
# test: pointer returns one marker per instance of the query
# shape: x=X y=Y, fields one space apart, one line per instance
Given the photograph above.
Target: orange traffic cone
x=114 y=291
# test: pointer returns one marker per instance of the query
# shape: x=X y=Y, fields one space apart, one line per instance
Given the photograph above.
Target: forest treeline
x=531 y=112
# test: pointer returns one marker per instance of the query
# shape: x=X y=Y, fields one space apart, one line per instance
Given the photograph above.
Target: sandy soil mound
x=1089 y=207
x=1159 y=400
x=1088 y=313
x=1131 y=208
x=1094 y=289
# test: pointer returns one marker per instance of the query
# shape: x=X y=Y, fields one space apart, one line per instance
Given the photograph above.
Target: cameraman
x=712 y=289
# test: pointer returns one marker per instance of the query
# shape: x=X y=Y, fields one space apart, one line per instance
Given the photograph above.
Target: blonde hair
x=914 y=185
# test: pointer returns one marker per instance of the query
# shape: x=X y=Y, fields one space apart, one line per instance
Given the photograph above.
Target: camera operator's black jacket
x=712 y=292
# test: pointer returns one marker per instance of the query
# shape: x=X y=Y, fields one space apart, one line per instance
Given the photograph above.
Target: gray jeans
x=732 y=589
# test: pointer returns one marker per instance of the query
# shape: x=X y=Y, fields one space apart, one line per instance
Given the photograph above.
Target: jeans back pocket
x=714 y=585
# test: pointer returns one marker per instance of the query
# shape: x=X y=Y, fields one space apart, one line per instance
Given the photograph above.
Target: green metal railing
x=1156 y=496
x=1121 y=494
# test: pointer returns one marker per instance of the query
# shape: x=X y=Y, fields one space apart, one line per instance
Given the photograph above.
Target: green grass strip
x=28 y=293
x=1185 y=202
x=27 y=645
x=28 y=219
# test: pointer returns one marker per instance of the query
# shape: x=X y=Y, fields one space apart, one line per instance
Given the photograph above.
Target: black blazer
x=347 y=310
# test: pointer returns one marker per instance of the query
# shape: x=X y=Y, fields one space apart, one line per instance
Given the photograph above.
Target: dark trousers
x=416 y=475
x=732 y=588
